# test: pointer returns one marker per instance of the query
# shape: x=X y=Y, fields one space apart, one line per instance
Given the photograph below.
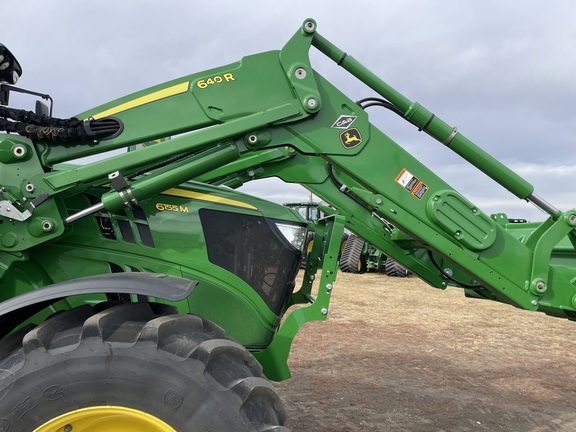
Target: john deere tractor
x=142 y=292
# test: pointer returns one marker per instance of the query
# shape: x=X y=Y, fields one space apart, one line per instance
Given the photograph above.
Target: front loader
x=141 y=292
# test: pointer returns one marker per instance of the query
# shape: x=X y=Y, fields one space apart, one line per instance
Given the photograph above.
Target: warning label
x=411 y=183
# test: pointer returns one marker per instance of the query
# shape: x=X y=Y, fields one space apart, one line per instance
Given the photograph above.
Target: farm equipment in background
x=359 y=256
x=140 y=293
x=310 y=211
x=356 y=254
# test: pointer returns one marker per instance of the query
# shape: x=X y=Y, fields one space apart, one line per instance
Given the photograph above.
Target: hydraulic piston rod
x=435 y=127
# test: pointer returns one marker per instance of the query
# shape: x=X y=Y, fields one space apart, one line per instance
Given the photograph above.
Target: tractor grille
x=132 y=226
x=253 y=249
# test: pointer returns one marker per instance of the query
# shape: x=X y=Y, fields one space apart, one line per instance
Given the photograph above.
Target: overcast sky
x=503 y=72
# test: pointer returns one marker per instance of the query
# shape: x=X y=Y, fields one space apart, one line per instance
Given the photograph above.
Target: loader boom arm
x=272 y=115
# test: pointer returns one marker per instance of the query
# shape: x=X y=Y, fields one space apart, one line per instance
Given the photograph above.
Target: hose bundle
x=39 y=127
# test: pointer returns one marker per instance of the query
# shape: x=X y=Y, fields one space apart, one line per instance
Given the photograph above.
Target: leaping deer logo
x=351 y=138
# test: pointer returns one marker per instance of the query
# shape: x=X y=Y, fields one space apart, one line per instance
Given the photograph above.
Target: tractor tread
x=352 y=254
x=395 y=269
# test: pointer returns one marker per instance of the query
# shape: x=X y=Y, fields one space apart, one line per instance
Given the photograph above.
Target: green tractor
x=141 y=292
x=356 y=254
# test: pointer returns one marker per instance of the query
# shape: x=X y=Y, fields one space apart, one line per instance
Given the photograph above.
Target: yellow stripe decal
x=152 y=97
x=205 y=197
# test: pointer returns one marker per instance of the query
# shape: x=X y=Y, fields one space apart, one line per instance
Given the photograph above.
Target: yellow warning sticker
x=411 y=183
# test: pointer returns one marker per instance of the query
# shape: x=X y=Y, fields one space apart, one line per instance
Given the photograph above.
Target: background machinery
x=138 y=292
x=356 y=254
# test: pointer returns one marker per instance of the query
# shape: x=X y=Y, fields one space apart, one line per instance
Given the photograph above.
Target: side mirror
x=10 y=69
x=42 y=109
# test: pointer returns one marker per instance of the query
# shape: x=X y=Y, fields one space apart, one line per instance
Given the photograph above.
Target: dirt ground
x=398 y=355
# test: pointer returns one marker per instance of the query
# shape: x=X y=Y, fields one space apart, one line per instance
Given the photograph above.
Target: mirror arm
x=5 y=89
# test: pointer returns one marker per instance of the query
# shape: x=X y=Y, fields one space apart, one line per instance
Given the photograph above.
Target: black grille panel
x=252 y=248
x=145 y=234
x=126 y=231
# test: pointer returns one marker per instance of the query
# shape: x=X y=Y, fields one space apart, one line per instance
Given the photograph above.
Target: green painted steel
x=268 y=115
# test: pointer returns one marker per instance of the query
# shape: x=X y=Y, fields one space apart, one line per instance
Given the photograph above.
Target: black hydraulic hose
x=371 y=101
x=30 y=117
x=39 y=127
x=447 y=276
x=344 y=189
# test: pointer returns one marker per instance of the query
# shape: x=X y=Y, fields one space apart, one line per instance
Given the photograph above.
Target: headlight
x=295 y=234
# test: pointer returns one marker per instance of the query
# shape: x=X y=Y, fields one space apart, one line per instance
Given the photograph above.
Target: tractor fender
x=18 y=309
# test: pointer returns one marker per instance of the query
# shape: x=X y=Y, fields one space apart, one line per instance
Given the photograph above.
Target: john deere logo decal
x=351 y=138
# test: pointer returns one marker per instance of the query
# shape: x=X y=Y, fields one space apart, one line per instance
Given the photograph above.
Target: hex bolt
x=30 y=188
x=540 y=286
x=572 y=220
x=324 y=311
x=253 y=139
x=378 y=201
x=329 y=287
x=457 y=233
x=68 y=428
x=534 y=303
x=19 y=151
x=300 y=73
x=47 y=226
x=312 y=103
x=311 y=278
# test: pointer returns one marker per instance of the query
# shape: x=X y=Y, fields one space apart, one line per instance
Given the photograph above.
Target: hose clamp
x=451 y=136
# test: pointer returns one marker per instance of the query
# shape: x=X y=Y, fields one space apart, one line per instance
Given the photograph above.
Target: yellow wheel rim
x=105 y=418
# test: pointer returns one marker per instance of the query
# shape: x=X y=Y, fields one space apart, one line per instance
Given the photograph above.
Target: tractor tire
x=351 y=260
x=395 y=269
x=132 y=367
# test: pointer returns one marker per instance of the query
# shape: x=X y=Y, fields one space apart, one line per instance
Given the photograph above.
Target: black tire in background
x=180 y=369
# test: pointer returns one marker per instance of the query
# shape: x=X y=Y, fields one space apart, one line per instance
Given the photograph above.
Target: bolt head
x=300 y=73
x=19 y=151
x=324 y=311
x=312 y=103
x=309 y=26
x=329 y=287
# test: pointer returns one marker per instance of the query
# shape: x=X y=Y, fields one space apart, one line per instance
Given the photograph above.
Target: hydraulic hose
x=39 y=127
